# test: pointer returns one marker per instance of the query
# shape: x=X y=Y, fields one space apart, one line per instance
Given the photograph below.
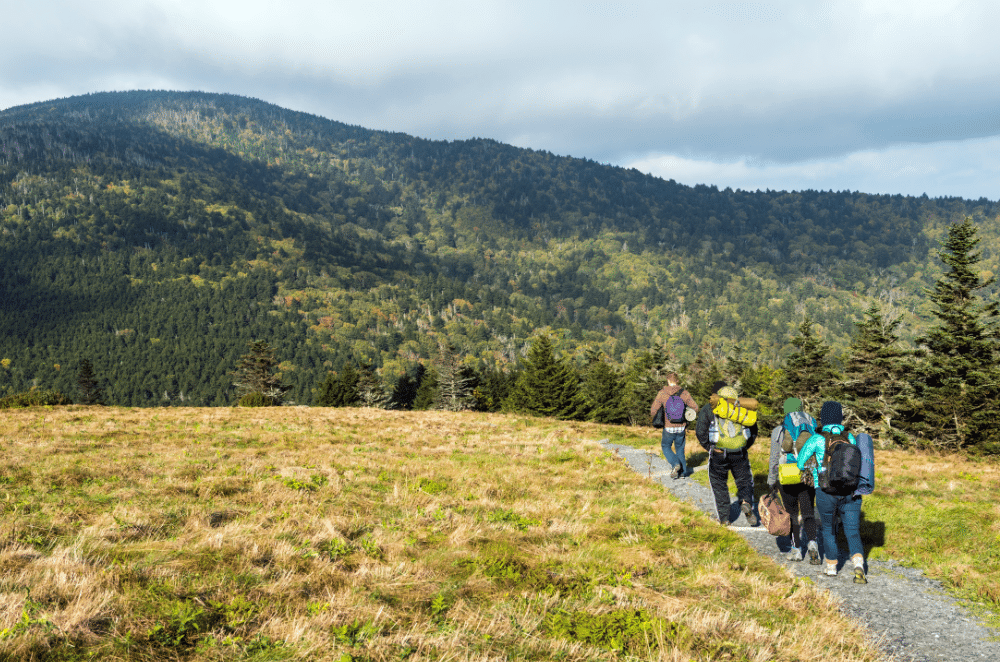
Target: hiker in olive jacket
x=673 y=437
x=727 y=453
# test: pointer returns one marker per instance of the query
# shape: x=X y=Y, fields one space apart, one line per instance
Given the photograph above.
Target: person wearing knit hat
x=727 y=442
x=674 y=433
x=797 y=497
x=833 y=508
x=832 y=413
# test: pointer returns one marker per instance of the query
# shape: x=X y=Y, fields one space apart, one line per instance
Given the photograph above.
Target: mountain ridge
x=152 y=211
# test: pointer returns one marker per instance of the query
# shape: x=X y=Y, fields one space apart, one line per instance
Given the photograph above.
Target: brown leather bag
x=773 y=515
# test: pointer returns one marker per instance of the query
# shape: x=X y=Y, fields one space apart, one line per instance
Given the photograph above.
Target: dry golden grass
x=355 y=534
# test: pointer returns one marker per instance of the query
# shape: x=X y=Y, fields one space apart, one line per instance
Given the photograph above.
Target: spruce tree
x=702 y=374
x=809 y=372
x=256 y=374
x=643 y=379
x=875 y=384
x=547 y=386
x=957 y=400
x=427 y=391
x=90 y=389
x=371 y=392
x=339 y=391
x=454 y=379
x=603 y=390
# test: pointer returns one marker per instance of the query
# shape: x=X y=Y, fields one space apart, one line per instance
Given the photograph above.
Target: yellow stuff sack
x=729 y=411
x=788 y=474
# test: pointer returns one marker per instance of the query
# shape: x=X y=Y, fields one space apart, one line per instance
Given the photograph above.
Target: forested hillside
x=157 y=233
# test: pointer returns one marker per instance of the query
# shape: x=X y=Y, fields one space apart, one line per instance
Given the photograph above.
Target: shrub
x=34 y=399
x=256 y=399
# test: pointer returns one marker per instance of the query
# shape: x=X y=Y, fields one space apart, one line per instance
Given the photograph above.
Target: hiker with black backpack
x=783 y=476
x=844 y=473
x=727 y=431
x=672 y=404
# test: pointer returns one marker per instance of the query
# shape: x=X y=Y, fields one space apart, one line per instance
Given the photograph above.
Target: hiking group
x=814 y=468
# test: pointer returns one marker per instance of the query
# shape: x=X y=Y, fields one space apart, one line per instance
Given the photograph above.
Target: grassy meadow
x=360 y=534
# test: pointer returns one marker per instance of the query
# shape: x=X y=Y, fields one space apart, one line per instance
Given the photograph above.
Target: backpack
x=731 y=435
x=841 y=471
x=798 y=427
x=674 y=408
x=658 y=419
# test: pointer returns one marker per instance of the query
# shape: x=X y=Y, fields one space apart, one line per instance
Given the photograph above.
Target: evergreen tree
x=758 y=381
x=339 y=391
x=492 y=388
x=454 y=379
x=603 y=391
x=427 y=391
x=371 y=392
x=405 y=392
x=874 y=382
x=703 y=372
x=547 y=386
x=89 y=388
x=643 y=379
x=956 y=404
x=809 y=372
x=256 y=374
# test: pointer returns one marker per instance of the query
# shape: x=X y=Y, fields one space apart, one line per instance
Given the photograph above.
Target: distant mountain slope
x=157 y=232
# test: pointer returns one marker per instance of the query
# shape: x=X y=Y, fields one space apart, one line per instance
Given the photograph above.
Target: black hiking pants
x=720 y=465
x=798 y=498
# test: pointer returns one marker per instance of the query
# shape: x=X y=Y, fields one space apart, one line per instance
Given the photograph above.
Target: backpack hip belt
x=726 y=452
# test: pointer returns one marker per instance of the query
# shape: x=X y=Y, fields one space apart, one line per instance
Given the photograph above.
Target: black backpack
x=841 y=472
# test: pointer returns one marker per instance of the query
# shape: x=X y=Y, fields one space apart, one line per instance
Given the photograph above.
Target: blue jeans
x=675 y=455
x=848 y=509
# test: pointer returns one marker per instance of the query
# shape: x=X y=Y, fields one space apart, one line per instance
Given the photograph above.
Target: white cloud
x=806 y=87
x=969 y=169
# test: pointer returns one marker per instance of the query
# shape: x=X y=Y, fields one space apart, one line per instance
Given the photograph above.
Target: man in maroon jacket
x=672 y=441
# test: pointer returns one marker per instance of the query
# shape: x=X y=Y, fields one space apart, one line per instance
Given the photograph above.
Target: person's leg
x=718 y=478
x=850 y=516
x=806 y=497
x=666 y=445
x=827 y=507
x=744 y=486
x=679 y=443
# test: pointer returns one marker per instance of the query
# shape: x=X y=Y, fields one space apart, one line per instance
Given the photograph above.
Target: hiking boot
x=859 y=576
x=748 y=511
x=724 y=521
x=813 y=553
x=675 y=473
x=794 y=555
x=830 y=569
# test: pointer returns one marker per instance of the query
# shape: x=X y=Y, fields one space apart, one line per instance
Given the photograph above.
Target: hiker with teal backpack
x=673 y=404
x=844 y=473
x=784 y=477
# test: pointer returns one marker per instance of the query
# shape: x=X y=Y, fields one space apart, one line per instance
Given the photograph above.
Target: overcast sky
x=879 y=96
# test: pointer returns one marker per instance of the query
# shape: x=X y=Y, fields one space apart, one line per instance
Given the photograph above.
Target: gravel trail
x=908 y=614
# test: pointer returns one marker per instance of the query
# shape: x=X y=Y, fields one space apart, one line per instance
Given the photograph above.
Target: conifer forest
x=157 y=248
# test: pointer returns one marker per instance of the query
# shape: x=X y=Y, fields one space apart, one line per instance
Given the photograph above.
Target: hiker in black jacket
x=727 y=443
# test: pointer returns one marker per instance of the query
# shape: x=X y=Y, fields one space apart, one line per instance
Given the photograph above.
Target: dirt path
x=907 y=613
